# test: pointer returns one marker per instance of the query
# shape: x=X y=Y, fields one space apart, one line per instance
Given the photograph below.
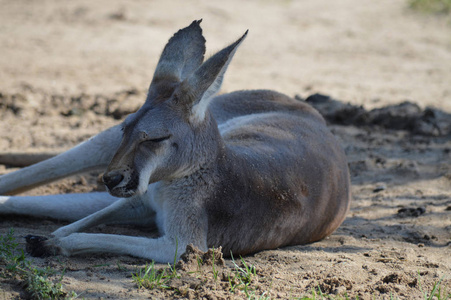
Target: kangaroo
x=247 y=171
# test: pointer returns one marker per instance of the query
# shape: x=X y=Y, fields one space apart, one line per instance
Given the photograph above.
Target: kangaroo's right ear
x=182 y=55
x=199 y=88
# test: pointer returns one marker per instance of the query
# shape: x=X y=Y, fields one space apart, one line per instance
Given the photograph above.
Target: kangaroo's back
x=244 y=103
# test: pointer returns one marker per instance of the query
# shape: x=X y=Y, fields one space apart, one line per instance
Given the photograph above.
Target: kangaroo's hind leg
x=91 y=154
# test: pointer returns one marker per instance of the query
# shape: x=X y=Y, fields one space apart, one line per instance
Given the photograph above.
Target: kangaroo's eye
x=158 y=140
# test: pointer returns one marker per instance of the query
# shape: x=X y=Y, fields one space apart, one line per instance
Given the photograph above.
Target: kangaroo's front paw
x=39 y=246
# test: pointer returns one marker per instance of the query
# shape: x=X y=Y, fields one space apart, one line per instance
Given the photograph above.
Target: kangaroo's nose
x=112 y=179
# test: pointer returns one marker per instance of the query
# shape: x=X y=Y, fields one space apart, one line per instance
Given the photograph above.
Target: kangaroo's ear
x=206 y=81
x=182 y=55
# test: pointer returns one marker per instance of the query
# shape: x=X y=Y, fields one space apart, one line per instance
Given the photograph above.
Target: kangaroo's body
x=248 y=171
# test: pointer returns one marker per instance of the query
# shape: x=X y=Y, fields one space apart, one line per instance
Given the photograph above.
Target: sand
x=72 y=69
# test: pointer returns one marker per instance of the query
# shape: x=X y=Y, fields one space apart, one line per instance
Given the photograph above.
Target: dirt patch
x=406 y=116
x=72 y=69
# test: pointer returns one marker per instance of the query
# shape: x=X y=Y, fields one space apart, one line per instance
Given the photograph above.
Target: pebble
x=379 y=188
x=339 y=290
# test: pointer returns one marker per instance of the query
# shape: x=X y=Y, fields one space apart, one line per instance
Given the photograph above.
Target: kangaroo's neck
x=210 y=144
x=214 y=157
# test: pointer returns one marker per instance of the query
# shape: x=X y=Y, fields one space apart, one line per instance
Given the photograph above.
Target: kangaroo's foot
x=39 y=246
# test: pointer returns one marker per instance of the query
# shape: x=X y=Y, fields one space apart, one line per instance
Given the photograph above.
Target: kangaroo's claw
x=37 y=246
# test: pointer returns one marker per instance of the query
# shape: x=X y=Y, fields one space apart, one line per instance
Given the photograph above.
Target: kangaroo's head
x=163 y=139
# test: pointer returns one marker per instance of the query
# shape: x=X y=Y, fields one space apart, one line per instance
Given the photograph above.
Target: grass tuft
x=438 y=291
x=242 y=278
x=38 y=282
x=150 y=277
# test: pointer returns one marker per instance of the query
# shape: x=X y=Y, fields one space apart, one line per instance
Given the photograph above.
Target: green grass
x=432 y=6
x=317 y=294
x=242 y=277
x=213 y=266
x=38 y=282
x=150 y=277
x=438 y=291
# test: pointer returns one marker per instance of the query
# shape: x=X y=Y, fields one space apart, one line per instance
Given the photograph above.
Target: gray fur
x=183 y=54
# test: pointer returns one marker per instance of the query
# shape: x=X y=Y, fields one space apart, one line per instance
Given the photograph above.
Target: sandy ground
x=72 y=69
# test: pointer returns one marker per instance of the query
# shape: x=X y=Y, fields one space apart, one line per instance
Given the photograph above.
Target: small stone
x=379 y=188
x=411 y=212
x=339 y=290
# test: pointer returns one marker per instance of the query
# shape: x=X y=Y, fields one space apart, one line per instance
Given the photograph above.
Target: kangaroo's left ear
x=206 y=81
x=182 y=55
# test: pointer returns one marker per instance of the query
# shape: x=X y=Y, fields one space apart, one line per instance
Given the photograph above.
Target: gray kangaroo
x=248 y=170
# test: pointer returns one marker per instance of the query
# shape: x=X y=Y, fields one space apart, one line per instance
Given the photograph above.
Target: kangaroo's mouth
x=122 y=192
x=125 y=189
